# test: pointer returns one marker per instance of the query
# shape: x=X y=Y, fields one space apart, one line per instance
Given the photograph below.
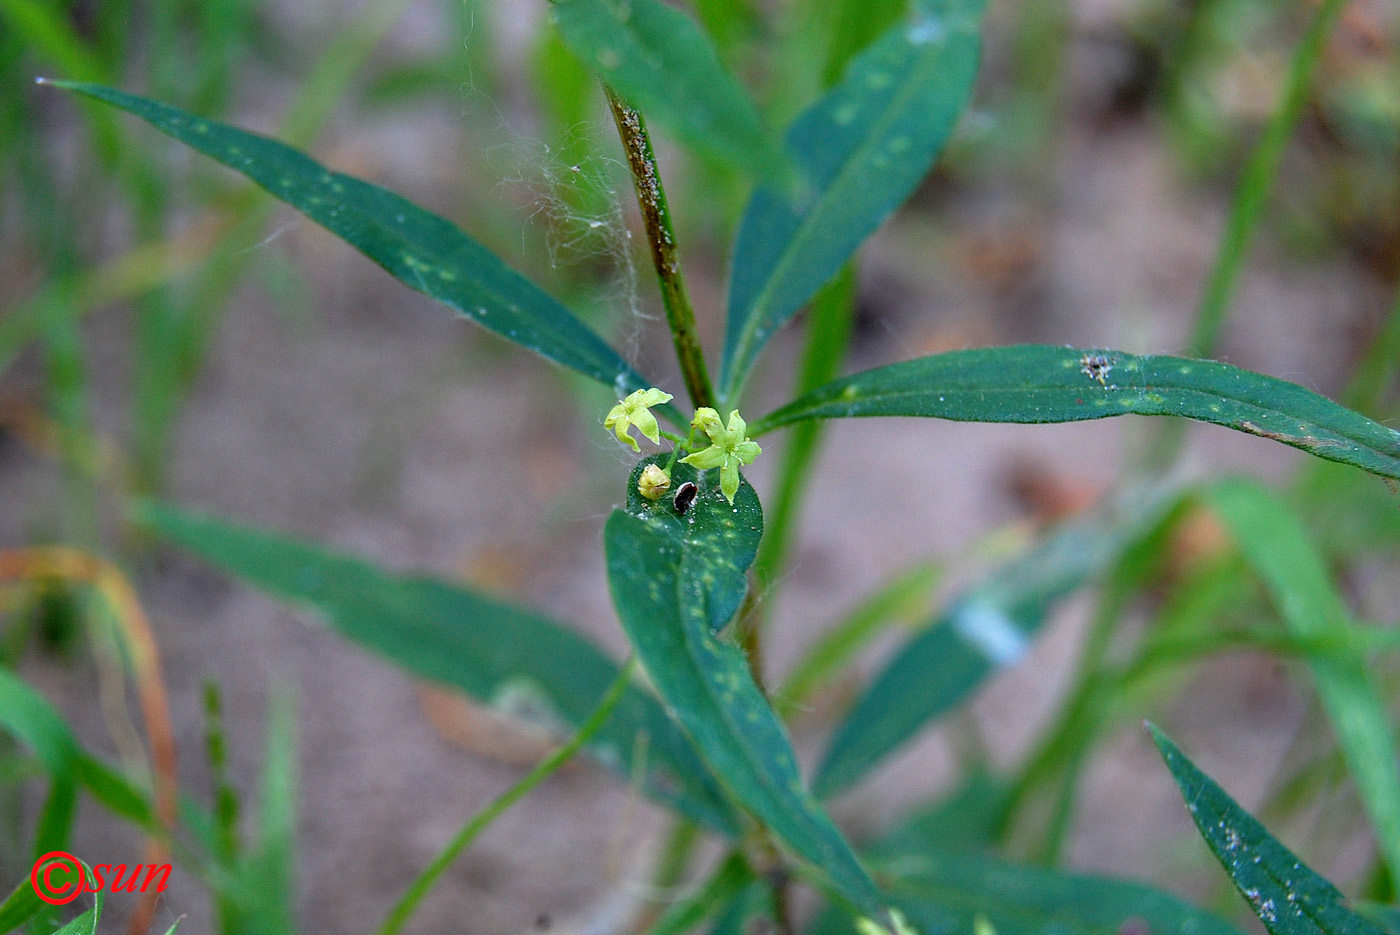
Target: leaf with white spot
x=986 y=629
x=1033 y=383
x=676 y=581
x=449 y=634
x=860 y=151
x=423 y=251
x=1287 y=895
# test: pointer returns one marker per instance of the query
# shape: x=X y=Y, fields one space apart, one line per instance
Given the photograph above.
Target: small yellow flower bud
x=653 y=482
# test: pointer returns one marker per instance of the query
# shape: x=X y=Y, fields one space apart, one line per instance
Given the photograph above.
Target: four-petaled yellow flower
x=729 y=448
x=633 y=411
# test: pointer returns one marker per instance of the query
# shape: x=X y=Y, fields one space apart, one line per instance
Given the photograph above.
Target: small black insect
x=685 y=496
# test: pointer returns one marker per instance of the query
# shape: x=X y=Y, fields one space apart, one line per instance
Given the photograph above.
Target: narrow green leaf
x=259 y=900
x=964 y=821
x=676 y=581
x=1288 y=897
x=860 y=151
x=1036 y=383
x=905 y=598
x=988 y=628
x=731 y=877
x=26 y=714
x=21 y=905
x=1275 y=544
x=496 y=652
x=425 y=252
x=662 y=63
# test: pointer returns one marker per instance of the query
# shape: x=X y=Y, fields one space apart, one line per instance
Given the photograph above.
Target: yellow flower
x=730 y=447
x=633 y=411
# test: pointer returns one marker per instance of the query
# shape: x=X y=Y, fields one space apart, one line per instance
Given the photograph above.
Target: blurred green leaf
x=676 y=581
x=1288 y=897
x=423 y=251
x=20 y=906
x=663 y=64
x=27 y=715
x=860 y=151
x=986 y=629
x=937 y=863
x=86 y=923
x=957 y=894
x=1276 y=546
x=496 y=652
x=903 y=599
x=1034 y=383
x=727 y=881
x=259 y=897
x=966 y=822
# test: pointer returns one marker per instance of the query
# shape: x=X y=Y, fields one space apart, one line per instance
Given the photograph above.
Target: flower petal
x=738 y=428
x=646 y=423
x=711 y=457
x=729 y=478
x=747 y=450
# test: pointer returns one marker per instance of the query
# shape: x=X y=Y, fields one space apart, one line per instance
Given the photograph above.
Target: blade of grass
x=830 y=320
x=987 y=628
x=483 y=819
x=904 y=599
x=1247 y=206
x=1276 y=546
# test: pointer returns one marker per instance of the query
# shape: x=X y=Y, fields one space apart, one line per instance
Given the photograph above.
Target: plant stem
x=479 y=822
x=656 y=218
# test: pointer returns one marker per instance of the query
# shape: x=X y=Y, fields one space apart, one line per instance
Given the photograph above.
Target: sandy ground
x=375 y=422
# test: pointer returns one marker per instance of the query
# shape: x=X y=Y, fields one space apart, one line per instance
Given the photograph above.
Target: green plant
x=680 y=566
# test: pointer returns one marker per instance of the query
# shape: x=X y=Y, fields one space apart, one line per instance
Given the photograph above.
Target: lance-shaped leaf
x=664 y=65
x=423 y=251
x=1038 y=383
x=676 y=581
x=1276 y=546
x=1287 y=895
x=985 y=630
x=498 y=653
x=860 y=151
